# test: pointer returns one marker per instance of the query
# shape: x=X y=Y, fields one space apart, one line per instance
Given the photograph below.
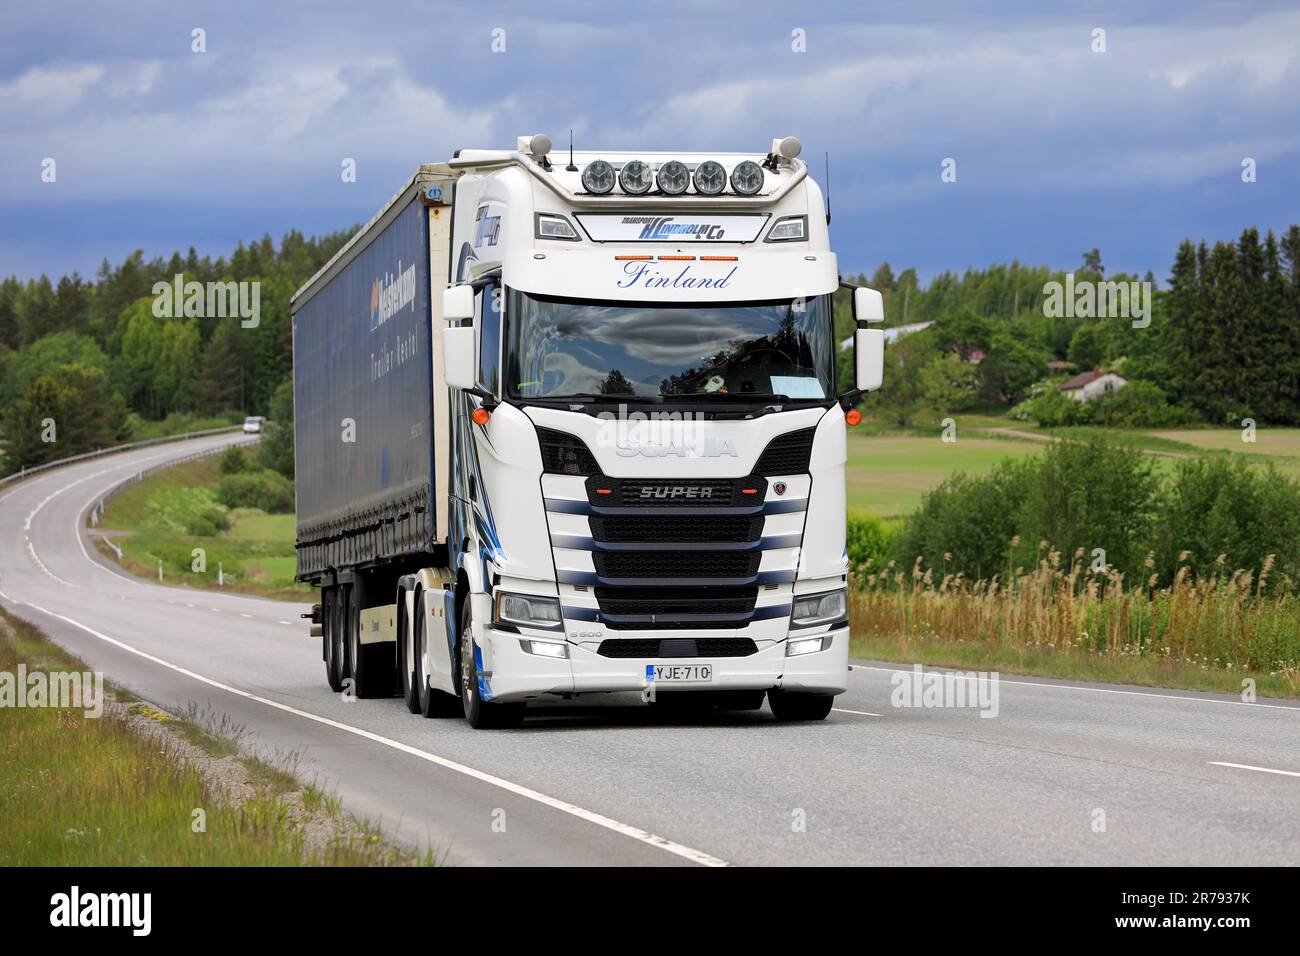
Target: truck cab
x=649 y=434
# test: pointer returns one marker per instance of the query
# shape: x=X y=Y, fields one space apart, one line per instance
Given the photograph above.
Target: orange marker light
x=676 y=258
x=632 y=258
x=717 y=258
x=480 y=416
x=604 y=491
x=852 y=417
x=749 y=491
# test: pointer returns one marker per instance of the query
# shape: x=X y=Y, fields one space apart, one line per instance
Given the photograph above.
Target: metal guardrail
x=143 y=443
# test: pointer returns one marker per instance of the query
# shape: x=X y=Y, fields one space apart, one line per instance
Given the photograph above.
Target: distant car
x=253 y=424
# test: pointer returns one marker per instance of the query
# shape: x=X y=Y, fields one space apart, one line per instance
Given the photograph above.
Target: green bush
x=1136 y=405
x=1075 y=495
x=1223 y=506
x=200 y=526
x=268 y=490
x=233 y=461
x=868 y=540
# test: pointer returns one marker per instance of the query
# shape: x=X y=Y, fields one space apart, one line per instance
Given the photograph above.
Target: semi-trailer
x=573 y=428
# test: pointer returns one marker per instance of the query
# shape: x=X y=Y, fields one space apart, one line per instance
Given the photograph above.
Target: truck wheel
x=481 y=714
x=787 y=705
x=331 y=621
x=406 y=678
x=430 y=702
x=371 y=665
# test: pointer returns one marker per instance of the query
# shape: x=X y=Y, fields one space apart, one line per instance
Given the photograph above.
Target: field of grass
x=151 y=520
x=95 y=791
x=890 y=469
x=888 y=474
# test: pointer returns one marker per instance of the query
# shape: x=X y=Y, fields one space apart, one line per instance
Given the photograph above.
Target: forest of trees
x=94 y=359
x=1223 y=343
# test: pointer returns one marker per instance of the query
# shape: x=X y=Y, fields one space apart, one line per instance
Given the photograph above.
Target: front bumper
x=519 y=675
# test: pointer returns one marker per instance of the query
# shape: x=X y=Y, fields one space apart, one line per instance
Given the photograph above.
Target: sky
x=1058 y=147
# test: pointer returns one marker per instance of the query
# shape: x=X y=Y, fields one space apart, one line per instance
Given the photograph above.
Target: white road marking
x=1094 y=690
x=1246 y=766
x=858 y=713
x=627 y=830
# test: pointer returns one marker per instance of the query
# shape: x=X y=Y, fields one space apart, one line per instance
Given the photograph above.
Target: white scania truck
x=567 y=424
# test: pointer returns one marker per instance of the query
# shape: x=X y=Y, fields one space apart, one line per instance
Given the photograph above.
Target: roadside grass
x=84 y=791
x=1211 y=634
x=150 y=521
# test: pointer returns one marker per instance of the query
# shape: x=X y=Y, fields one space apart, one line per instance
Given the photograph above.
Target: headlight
x=807 y=645
x=545 y=648
x=788 y=229
x=636 y=178
x=710 y=178
x=747 y=178
x=530 y=610
x=598 y=177
x=551 y=226
x=673 y=178
x=820 y=608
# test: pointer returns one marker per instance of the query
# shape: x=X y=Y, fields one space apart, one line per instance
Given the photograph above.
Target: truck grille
x=669 y=493
x=565 y=454
x=685 y=529
x=786 y=454
x=703 y=647
x=681 y=564
x=670 y=602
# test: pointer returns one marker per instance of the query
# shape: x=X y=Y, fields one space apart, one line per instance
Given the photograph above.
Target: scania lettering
x=572 y=429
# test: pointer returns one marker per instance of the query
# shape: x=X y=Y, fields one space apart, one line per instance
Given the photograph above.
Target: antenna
x=828 y=187
x=571 y=168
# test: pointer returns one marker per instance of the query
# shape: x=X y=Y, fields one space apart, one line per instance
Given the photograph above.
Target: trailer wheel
x=332 y=639
x=370 y=665
x=787 y=705
x=430 y=702
x=406 y=676
x=481 y=714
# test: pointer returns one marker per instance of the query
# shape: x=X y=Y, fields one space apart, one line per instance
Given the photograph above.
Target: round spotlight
x=747 y=178
x=539 y=145
x=710 y=178
x=636 y=178
x=598 y=177
x=673 y=178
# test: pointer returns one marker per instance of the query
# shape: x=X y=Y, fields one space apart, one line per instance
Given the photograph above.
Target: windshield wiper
x=729 y=396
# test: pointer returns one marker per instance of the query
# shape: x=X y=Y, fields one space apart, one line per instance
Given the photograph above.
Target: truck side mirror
x=868 y=359
x=458 y=365
x=458 y=303
x=868 y=344
x=868 y=305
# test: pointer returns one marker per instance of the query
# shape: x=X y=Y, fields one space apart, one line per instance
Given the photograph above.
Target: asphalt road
x=1064 y=774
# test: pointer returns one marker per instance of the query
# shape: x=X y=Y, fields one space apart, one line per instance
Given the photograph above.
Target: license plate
x=678 y=673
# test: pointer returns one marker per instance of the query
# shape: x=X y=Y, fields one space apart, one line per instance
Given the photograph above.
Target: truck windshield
x=560 y=348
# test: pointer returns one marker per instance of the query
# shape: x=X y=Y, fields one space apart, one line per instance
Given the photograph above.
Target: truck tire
x=787 y=705
x=406 y=679
x=332 y=639
x=370 y=665
x=429 y=701
x=481 y=714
